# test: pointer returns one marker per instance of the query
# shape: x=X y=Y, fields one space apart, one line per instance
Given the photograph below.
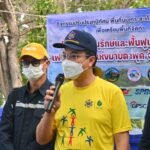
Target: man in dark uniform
x=145 y=139
x=25 y=105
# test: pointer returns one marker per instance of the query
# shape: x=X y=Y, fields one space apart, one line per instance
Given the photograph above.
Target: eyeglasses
x=72 y=56
x=35 y=62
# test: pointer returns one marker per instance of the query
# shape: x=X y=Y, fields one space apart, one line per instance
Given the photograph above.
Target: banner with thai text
x=123 y=44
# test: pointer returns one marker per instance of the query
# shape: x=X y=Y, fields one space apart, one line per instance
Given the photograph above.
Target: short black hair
x=90 y=53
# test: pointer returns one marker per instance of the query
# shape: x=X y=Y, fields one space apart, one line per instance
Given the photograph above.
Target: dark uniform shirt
x=22 y=112
x=145 y=140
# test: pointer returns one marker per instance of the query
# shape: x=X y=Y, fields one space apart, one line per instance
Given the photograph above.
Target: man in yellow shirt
x=93 y=112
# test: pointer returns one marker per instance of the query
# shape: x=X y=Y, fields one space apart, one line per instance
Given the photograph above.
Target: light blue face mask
x=33 y=73
x=71 y=69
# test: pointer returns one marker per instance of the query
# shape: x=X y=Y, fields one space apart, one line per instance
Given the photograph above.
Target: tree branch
x=25 y=22
x=30 y=29
x=10 y=19
x=127 y=4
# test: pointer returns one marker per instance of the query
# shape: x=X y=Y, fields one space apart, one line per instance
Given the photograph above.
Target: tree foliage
x=38 y=33
x=45 y=7
x=88 y=5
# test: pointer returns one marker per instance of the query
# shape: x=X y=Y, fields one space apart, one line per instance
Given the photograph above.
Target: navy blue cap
x=79 y=40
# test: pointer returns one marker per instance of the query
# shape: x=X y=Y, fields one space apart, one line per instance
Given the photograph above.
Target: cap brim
x=34 y=56
x=73 y=46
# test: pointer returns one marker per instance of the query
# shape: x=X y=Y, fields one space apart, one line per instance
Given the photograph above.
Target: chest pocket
x=18 y=115
x=38 y=113
x=18 y=122
x=36 y=117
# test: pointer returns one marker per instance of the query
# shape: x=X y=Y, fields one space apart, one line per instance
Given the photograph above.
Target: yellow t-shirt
x=90 y=116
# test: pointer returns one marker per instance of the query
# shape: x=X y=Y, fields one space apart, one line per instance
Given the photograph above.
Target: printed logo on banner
x=125 y=91
x=112 y=74
x=134 y=74
x=142 y=91
x=134 y=104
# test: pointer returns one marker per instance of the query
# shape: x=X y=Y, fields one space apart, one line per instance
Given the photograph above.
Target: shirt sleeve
x=120 y=115
x=6 y=126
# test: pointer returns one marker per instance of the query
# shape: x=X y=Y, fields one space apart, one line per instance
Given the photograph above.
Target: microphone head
x=60 y=78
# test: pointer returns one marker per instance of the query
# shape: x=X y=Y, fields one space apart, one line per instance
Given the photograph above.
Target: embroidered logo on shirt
x=88 y=103
x=99 y=104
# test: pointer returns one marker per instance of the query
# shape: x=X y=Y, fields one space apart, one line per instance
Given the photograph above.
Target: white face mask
x=71 y=69
x=33 y=73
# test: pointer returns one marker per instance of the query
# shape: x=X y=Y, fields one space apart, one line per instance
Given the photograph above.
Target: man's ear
x=47 y=61
x=92 y=60
x=46 y=64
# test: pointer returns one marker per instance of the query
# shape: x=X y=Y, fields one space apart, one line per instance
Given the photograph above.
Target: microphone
x=58 y=82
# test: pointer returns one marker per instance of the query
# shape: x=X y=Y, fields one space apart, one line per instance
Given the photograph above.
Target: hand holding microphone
x=52 y=94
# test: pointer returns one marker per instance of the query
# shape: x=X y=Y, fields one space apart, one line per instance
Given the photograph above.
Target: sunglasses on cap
x=34 y=62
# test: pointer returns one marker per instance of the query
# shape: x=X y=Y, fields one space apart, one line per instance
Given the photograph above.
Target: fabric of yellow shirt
x=90 y=116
